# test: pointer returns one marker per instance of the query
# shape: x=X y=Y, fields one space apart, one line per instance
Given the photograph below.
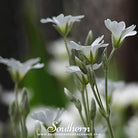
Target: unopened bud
x=81 y=65
x=105 y=60
x=25 y=108
x=93 y=110
x=14 y=112
x=91 y=77
x=73 y=99
x=89 y=38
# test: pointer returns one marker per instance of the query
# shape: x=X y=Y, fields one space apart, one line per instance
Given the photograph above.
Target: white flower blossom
x=119 y=31
x=18 y=70
x=79 y=73
x=132 y=127
x=126 y=96
x=90 y=51
x=112 y=86
x=76 y=69
x=63 y=23
x=48 y=116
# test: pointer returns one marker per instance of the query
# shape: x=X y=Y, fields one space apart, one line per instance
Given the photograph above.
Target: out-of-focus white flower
x=48 y=116
x=90 y=51
x=30 y=123
x=132 y=128
x=119 y=31
x=57 y=49
x=76 y=69
x=8 y=97
x=63 y=23
x=18 y=70
x=58 y=68
x=112 y=86
x=128 y=95
x=57 y=65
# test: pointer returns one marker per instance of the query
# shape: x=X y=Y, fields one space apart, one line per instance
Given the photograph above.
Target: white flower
x=79 y=73
x=18 y=70
x=132 y=128
x=89 y=51
x=112 y=86
x=75 y=69
x=63 y=23
x=126 y=96
x=119 y=31
x=48 y=116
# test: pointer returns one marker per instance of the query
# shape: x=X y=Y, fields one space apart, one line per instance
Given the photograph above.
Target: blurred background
x=22 y=36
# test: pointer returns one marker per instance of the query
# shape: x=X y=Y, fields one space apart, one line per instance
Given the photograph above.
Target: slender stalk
x=110 y=127
x=95 y=95
x=99 y=96
x=106 y=95
x=111 y=54
x=23 y=128
x=82 y=118
x=84 y=104
x=88 y=109
x=87 y=99
x=83 y=122
x=16 y=92
x=106 y=92
x=97 y=99
x=65 y=41
x=93 y=130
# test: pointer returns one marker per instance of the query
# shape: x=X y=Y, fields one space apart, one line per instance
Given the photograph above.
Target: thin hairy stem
x=85 y=107
x=110 y=127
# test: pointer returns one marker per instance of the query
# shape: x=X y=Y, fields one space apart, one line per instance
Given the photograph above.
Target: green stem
x=88 y=109
x=83 y=122
x=23 y=127
x=93 y=130
x=87 y=99
x=99 y=97
x=106 y=95
x=65 y=41
x=82 y=118
x=84 y=104
x=106 y=92
x=16 y=92
x=110 y=127
x=111 y=55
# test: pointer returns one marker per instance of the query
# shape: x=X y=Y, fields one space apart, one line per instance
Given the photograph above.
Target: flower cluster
x=84 y=60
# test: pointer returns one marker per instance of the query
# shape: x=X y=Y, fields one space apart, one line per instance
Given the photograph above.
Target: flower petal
x=128 y=32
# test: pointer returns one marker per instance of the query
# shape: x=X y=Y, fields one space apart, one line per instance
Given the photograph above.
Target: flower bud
x=105 y=60
x=14 y=112
x=81 y=65
x=89 y=38
x=93 y=110
x=91 y=77
x=73 y=99
x=24 y=105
